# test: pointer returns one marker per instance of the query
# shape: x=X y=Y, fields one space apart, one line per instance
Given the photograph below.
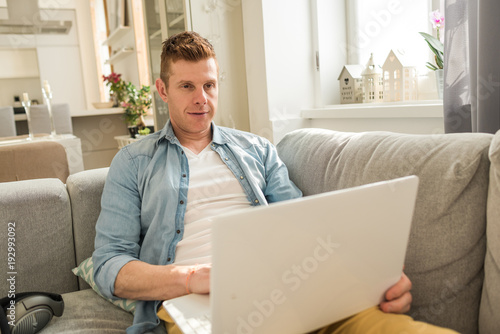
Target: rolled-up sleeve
x=118 y=229
x=279 y=187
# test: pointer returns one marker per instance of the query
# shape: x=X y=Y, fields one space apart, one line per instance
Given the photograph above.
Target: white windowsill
x=418 y=109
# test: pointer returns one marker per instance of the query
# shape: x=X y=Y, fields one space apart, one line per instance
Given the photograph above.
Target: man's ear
x=162 y=90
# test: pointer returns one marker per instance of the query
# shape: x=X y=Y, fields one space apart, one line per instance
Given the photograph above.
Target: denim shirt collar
x=168 y=133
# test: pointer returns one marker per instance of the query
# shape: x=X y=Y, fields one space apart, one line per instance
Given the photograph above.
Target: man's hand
x=199 y=281
x=398 y=297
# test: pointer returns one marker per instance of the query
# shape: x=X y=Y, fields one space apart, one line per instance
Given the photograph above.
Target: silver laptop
x=299 y=265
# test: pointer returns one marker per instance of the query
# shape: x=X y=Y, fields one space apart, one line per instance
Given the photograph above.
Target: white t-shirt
x=213 y=189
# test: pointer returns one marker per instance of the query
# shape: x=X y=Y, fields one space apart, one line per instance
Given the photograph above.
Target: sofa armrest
x=489 y=321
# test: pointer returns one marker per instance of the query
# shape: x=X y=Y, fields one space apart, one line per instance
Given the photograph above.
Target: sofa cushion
x=489 y=322
x=86 y=271
x=85 y=190
x=446 y=249
x=85 y=311
x=39 y=213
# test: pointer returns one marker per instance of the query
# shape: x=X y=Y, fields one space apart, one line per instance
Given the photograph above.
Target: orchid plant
x=435 y=44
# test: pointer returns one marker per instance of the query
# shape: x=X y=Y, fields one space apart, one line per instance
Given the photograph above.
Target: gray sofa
x=453 y=255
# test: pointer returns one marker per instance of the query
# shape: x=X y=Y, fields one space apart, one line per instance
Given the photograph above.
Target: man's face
x=191 y=95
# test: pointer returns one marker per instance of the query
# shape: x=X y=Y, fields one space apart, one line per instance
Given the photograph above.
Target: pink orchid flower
x=437 y=19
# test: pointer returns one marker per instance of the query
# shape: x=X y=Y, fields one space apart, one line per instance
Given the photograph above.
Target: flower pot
x=439 y=82
x=133 y=130
x=115 y=101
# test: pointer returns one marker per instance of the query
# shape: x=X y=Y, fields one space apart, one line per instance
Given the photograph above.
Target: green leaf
x=437 y=48
x=439 y=62
x=433 y=41
x=431 y=67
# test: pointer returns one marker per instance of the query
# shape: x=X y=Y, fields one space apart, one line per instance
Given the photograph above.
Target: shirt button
x=183 y=175
x=226 y=159
x=182 y=152
x=168 y=259
x=178 y=231
x=241 y=177
x=256 y=201
x=182 y=202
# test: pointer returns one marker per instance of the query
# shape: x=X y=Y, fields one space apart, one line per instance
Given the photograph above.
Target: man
x=153 y=234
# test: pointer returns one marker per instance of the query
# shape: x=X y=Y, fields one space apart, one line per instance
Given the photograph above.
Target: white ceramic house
x=373 y=84
x=400 y=78
x=350 y=83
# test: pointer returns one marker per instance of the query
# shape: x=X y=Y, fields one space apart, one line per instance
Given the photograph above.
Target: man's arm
x=117 y=269
x=142 y=281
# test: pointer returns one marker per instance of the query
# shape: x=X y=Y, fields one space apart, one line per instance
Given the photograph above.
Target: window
x=377 y=26
x=348 y=31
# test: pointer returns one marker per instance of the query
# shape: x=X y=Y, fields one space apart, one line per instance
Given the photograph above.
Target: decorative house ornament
x=373 y=85
x=400 y=78
x=351 y=85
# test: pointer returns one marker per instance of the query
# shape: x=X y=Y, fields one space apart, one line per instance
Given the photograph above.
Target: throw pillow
x=86 y=271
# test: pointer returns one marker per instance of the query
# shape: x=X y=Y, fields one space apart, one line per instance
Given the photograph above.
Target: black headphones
x=29 y=312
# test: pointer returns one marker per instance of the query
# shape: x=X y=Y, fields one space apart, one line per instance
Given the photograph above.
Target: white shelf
x=116 y=35
x=20 y=77
x=98 y=112
x=120 y=54
x=83 y=113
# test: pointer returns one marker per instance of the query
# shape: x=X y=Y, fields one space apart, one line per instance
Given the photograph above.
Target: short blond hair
x=187 y=45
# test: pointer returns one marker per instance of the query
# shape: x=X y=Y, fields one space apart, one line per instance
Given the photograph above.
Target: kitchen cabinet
x=19 y=63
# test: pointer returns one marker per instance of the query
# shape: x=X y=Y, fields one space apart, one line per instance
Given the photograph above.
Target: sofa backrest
x=446 y=250
x=33 y=160
x=36 y=238
x=85 y=190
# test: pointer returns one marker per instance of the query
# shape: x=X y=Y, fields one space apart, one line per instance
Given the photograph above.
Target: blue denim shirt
x=144 y=201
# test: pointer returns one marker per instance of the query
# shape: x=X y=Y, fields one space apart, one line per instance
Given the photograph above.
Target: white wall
x=87 y=53
x=222 y=26
x=280 y=64
x=255 y=63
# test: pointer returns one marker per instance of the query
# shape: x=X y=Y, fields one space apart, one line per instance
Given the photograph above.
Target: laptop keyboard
x=198 y=325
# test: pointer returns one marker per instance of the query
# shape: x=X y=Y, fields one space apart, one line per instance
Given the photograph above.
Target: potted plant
x=136 y=105
x=143 y=132
x=437 y=48
x=117 y=88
